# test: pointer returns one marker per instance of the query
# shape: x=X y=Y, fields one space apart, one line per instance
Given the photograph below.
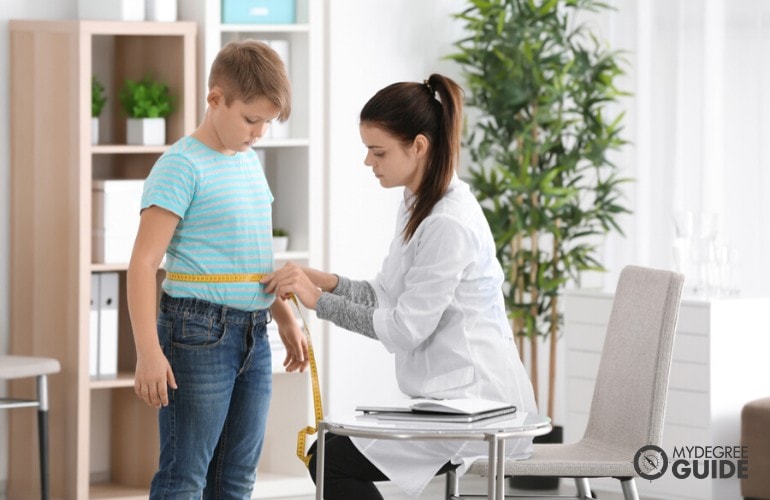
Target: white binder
x=93 y=328
x=108 y=324
x=282 y=48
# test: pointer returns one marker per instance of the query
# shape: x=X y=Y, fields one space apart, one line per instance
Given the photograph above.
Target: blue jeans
x=212 y=430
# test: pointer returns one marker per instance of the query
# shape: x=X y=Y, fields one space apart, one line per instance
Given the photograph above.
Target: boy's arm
x=153 y=371
x=291 y=335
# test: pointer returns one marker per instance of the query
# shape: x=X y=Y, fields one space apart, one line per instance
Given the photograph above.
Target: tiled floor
x=436 y=490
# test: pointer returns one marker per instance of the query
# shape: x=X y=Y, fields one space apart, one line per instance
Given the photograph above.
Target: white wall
x=371 y=45
x=14 y=9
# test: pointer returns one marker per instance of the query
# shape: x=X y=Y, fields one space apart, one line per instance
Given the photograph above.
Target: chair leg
x=452 y=485
x=583 y=488
x=42 y=428
x=629 y=488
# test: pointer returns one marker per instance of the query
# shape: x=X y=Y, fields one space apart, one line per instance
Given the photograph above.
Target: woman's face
x=392 y=162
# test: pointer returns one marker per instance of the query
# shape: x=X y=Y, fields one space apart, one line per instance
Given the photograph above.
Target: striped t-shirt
x=224 y=204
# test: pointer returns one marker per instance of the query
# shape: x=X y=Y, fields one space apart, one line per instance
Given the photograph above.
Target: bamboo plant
x=540 y=152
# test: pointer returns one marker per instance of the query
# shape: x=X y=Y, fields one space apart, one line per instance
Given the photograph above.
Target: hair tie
x=428 y=86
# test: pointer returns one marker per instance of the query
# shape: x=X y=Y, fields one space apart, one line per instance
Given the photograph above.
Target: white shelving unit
x=719 y=364
x=294 y=166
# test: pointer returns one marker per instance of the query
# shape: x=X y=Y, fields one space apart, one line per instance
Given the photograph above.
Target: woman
x=437 y=304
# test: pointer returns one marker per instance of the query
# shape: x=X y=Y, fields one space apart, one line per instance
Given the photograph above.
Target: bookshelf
x=103 y=439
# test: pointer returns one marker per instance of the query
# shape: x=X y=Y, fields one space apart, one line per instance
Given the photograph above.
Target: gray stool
x=13 y=367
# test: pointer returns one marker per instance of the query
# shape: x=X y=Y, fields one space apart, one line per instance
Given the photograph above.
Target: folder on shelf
x=93 y=328
x=108 y=324
x=115 y=217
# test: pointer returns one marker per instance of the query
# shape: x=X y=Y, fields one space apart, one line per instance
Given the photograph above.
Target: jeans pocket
x=165 y=332
x=199 y=331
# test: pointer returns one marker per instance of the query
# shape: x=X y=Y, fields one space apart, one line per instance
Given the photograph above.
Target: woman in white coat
x=437 y=304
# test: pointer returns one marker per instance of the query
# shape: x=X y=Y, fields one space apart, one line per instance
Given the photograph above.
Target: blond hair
x=249 y=69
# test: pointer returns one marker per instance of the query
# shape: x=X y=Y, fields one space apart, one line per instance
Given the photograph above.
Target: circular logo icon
x=650 y=462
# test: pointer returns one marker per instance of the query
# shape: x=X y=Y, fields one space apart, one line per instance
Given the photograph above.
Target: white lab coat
x=441 y=313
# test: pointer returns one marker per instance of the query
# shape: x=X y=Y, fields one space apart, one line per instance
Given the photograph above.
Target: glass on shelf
x=700 y=255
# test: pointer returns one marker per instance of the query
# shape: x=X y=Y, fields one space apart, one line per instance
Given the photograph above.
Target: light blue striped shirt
x=224 y=203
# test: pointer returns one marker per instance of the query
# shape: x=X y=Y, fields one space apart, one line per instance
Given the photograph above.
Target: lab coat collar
x=409 y=196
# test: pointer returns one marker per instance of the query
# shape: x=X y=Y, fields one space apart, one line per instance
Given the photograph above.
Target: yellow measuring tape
x=256 y=277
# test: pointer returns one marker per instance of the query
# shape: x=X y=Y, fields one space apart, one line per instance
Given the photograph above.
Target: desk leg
x=500 y=470
x=492 y=468
x=320 y=450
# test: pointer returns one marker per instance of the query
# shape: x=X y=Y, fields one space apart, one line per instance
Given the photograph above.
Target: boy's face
x=240 y=125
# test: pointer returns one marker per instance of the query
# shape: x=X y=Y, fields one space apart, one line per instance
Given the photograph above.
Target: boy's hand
x=291 y=335
x=153 y=377
x=297 y=357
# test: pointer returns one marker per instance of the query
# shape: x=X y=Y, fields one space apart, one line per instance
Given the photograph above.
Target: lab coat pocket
x=448 y=381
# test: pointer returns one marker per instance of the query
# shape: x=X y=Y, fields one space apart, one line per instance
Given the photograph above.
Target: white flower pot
x=146 y=131
x=280 y=243
x=94 y=130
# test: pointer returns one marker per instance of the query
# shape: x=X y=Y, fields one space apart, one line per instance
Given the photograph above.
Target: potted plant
x=280 y=240
x=98 y=100
x=540 y=153
x=147 y=103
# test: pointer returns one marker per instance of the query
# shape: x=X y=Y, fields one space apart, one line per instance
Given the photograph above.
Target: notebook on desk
x=438 y=410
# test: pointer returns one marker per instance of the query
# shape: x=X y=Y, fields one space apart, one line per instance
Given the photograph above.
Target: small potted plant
x=98 y=100
x=280 y=240
x=147 y=103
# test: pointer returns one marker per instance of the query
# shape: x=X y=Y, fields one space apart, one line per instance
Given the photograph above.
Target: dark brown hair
x=434 y=109
x=250 y=69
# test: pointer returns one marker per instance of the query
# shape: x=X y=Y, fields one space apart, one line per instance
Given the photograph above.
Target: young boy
x=207 y=206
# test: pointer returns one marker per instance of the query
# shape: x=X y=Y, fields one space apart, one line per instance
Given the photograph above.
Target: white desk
x=495 y=431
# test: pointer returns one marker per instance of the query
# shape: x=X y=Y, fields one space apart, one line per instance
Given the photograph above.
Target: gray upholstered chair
x=629 y=399
x=16 y=367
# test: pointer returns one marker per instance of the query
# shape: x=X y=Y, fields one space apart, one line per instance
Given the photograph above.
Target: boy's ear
x=215 y=97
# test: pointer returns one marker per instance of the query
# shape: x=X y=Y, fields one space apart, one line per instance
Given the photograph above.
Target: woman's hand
x=291 y=279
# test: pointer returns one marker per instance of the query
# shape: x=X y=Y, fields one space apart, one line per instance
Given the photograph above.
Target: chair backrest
x=629 y=399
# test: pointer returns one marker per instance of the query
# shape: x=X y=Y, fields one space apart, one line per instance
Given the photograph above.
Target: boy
x=206 y=205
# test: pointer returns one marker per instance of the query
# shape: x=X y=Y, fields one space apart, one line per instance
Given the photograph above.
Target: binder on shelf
x=108 y=324
x=93 y=328
x=112 y=10
x=281 y=47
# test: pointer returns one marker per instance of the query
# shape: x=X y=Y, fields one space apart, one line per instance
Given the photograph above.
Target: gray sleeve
x=346 y=313
x=360 y=292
